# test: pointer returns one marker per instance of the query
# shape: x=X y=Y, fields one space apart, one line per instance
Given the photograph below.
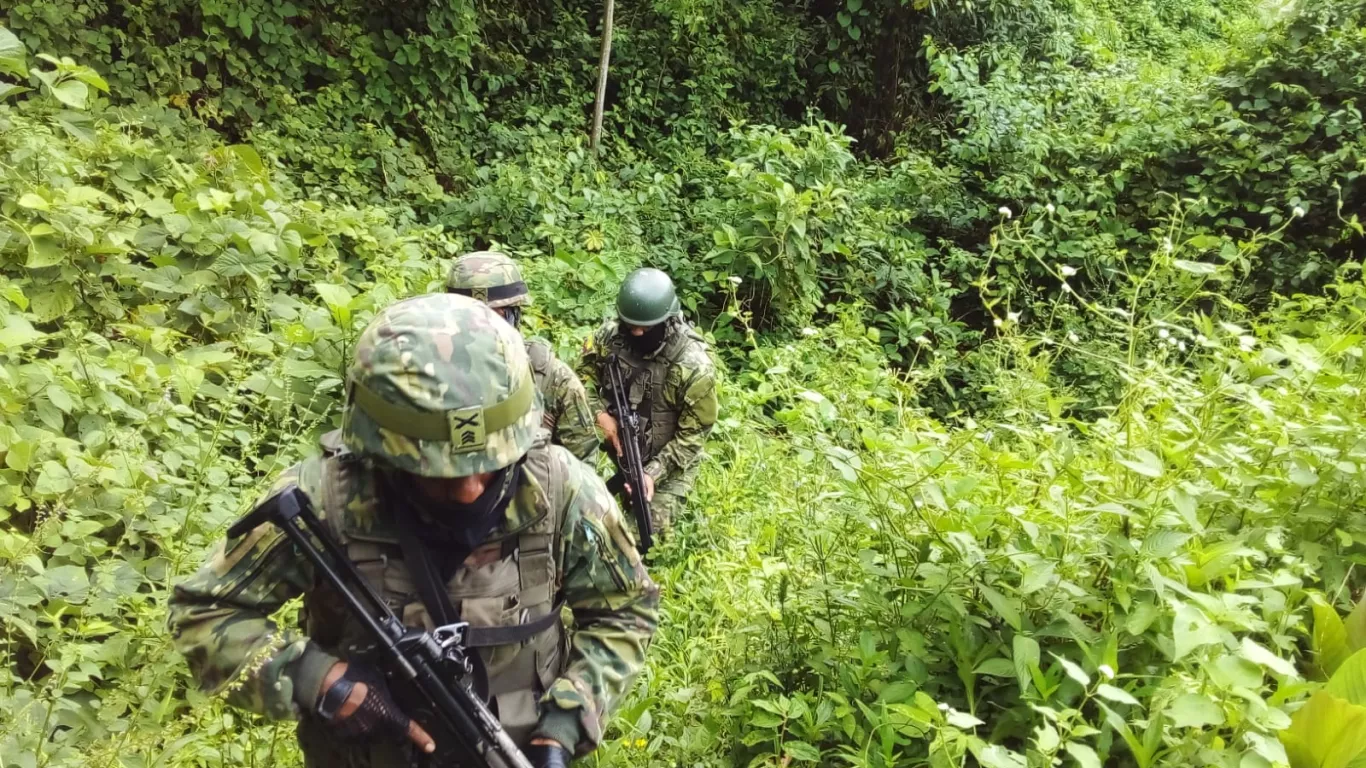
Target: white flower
x=1163 y=333
x=1298 y=212
x=922 y=341
x=1067 y=270
x=943 y=707
x=1013 y=317
x=1167 y=244
x=996 y=321
x=1106 y=671
x=809 y=331
x=1181 y=345
x=1050 y=208
x=1004 y=211
x=1065 y=287
x=1072 y=337
x=735 y=280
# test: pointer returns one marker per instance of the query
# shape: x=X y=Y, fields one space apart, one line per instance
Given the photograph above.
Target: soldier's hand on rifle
x=367 y=709
x=608 y=425
x=649 y=487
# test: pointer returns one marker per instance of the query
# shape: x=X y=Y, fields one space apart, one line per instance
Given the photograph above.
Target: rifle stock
x=429 y=672
x=630 y=463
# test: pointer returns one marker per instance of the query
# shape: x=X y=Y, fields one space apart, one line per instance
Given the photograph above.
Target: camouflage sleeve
x=616 y=611
x=219 y=620
x=575 y=426
x=590 y=365
x=692 y=395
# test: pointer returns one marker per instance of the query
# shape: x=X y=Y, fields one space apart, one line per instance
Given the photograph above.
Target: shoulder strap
x=418 y=558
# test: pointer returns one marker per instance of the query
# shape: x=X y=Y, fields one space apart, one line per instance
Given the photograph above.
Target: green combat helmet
x=490 y=277
x=646 y=298
x=440 y=387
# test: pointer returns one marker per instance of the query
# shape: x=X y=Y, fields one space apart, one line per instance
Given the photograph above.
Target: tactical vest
x=506 y=588
x=645 y=379
x=542 y=357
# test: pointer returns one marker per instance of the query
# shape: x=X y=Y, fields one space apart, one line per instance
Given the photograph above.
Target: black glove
x=377 y=715
x=548 y=756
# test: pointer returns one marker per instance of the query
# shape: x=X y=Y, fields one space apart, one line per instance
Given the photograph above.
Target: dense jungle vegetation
x=1041 y=323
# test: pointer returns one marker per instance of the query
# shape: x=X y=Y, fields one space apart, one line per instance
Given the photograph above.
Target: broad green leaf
x=997 y=667
x=18 y=332
x=1084 y=755
x=897 y=692
x=1145 y=463
x=66 y=581
x=10 y=89
x=1194 y=710
x=1073 y=671
x=1007 y=608
x=34 y=202
x=800 y=750
x=72 y=93
x=1025 y=655
x=1355 y=624
x=1327 y=732
x=1195 y=267
x=962 y=719
x=12 y=54
x=336 y=297
x=1349 y=681
x=995 y=755
x=19 y=454
x=1117 y=695
x=1329 y=640
x=53 y=479
x=1259 y=655
x=52 y=302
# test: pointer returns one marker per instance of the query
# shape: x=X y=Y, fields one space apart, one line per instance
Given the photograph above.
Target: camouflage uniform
x=495 y=279
x=674 y=391
x=560 y=542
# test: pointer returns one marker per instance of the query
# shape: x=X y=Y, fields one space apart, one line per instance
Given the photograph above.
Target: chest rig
x=646 y=379
x=540 y=355
x=506 y=588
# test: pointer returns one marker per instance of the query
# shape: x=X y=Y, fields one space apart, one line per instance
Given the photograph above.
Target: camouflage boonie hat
x=440 y=387
x=490 y=277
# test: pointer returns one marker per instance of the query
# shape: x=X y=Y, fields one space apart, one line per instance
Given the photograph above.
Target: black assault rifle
x=430 y=673
x=631 y=467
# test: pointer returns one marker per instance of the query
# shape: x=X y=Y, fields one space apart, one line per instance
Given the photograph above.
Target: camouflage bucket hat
x=490 y=277
x=440 y=387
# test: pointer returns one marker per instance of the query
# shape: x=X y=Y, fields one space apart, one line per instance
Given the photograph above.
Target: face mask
x=513 y=315
x=467 y=525
x=646 y=342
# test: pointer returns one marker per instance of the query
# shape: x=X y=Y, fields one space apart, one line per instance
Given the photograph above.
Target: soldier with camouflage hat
x=671 y=381
x=451 y=501
x=495 y=279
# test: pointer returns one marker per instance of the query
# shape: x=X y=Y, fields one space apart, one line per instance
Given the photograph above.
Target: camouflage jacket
x=220 y=618
x=672 y=388
x=567 y=414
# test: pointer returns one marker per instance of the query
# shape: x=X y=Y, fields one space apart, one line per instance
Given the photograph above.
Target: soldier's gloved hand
x=544 y=753
x=356 y=702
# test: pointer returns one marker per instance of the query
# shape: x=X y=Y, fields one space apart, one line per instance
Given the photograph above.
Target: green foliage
x=1130 y=543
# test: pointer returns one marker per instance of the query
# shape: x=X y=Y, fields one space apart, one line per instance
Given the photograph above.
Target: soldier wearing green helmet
x=451 y=500
x=495 y=279
x=672 y=386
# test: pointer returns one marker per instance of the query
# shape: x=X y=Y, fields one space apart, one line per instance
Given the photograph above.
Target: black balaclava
x=513 y=315
x=466 y=525
x=647 y=342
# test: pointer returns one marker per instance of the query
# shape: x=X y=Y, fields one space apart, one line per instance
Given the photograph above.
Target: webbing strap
x=487 y=637
x=467 y=427
x=493 y=293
